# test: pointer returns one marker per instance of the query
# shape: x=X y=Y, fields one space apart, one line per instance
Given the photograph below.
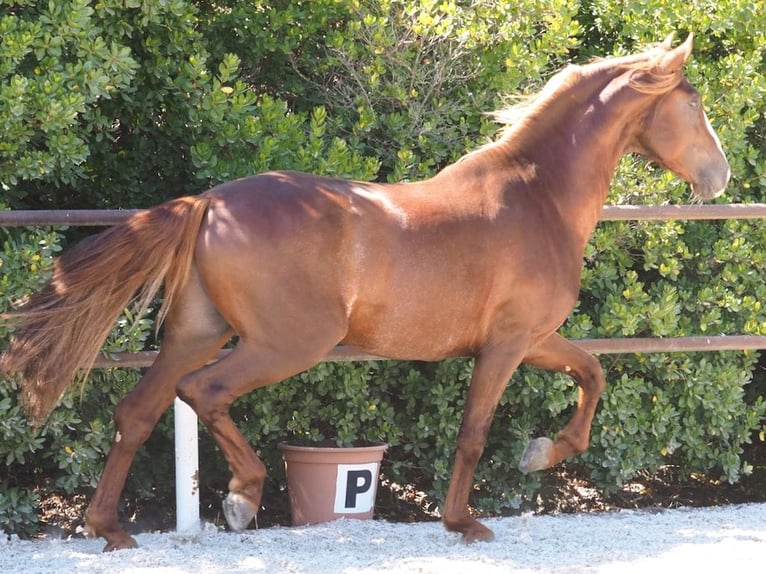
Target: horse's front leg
x=557 y=354
x=491 y=373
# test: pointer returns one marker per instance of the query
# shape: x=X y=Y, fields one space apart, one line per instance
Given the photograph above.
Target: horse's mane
x=645 y=77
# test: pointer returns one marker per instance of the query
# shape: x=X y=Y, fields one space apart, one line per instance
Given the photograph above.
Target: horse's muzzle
x=712 y=181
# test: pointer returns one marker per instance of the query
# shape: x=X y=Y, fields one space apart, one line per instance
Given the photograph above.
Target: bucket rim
x=330 y=446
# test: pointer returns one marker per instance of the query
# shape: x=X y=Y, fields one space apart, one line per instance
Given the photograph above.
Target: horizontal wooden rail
x=79 y=217
x=102 y=217
x=671 y=212
x=595 y=346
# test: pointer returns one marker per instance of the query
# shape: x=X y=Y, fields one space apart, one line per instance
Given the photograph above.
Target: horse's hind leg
x=212 y=390
x=135 y=417
x=558 y=354
x=194 y=332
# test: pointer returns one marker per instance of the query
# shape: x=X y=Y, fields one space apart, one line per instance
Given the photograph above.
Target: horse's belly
x=452 y=322
x=425 y=334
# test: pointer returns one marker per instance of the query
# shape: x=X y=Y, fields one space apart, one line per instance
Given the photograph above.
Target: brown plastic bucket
x=329 y=482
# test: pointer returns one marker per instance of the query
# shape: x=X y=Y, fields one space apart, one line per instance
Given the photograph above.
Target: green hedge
x=127 y=103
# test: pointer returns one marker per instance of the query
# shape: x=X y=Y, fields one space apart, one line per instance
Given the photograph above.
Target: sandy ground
x=725 y=539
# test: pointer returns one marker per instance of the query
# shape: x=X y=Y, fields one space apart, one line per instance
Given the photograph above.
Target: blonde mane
x=645 y=77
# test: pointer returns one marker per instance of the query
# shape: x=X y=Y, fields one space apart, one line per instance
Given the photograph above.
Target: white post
x=187 y=468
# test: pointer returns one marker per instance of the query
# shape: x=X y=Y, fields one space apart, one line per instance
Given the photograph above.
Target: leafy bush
x=126 y=103
x=115 y=104
x=411 y=82
x=18 y=509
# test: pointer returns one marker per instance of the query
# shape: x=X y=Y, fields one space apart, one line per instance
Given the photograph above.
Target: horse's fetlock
x=577 y=445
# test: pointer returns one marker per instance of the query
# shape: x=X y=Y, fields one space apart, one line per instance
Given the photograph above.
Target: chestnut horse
x=482 y=260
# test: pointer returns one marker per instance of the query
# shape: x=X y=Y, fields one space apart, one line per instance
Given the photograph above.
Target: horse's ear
x=667 y=43
x=675 y=59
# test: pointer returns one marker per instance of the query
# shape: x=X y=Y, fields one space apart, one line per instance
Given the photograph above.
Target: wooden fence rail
x=103 y=217
x=612 y=346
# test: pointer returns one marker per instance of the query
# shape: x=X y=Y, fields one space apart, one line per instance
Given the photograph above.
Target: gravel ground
x=723 y=539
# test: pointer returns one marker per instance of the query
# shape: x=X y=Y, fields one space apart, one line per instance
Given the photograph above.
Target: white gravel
x=729 y=539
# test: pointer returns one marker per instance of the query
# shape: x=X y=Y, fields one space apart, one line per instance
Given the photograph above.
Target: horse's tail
x=60 y=330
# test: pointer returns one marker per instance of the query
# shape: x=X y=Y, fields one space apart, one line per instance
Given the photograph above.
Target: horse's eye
x=694 y=104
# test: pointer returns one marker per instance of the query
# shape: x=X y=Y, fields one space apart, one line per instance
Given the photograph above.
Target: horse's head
x=676 y=132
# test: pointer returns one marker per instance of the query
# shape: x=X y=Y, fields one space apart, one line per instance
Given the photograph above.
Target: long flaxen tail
x=60 y=330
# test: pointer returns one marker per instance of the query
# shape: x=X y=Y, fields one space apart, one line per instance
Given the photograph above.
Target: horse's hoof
x=116 y=538
x=478 y=533
x=537 y=455
x=471 y=530
x=238 y=511
x=123 y=543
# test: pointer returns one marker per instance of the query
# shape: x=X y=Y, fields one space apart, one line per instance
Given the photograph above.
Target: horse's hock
x=327 y=482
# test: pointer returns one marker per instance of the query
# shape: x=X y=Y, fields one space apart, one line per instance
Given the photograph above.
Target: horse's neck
x=566 y=152
x=575 y=147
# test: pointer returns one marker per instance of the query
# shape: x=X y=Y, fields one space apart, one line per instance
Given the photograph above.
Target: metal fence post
x=187 y=468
